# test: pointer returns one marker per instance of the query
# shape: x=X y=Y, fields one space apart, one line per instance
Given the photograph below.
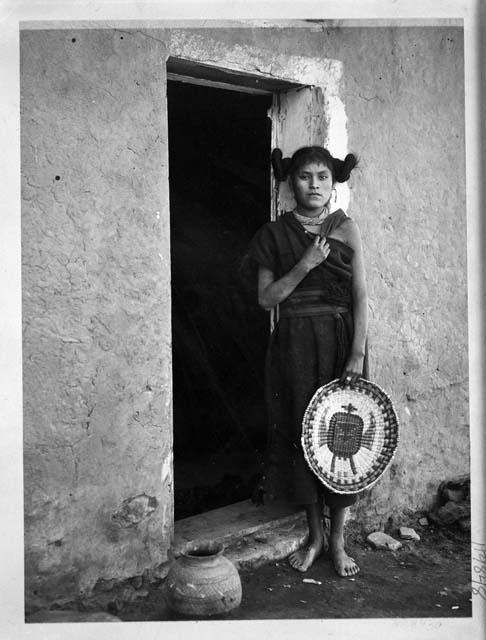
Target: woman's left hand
x=353 y=369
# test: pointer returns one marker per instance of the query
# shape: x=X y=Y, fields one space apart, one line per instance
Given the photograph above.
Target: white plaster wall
x=96 y=310
x=404 y=99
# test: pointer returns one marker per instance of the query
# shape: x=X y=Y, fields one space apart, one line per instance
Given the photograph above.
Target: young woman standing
x=310 y=263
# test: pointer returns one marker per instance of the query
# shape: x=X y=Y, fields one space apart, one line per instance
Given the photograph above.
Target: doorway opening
x=219 y=176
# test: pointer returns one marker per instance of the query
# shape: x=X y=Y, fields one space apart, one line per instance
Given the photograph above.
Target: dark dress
x=307 y=349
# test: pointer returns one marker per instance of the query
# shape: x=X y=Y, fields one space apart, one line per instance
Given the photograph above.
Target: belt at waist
x=309 y=308
x=307 y=304
x=316 y=309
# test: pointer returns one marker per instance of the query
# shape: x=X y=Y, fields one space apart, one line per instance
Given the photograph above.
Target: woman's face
x=312 y=185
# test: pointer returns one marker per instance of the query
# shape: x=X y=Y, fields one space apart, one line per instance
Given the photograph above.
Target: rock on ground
x=456 y=490
x=380 y=540
x=451 y=512
x=407 y=533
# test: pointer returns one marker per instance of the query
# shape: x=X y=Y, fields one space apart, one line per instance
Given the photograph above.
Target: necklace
x=311 y=222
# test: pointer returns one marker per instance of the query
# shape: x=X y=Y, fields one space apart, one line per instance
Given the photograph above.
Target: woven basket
x=349 y=435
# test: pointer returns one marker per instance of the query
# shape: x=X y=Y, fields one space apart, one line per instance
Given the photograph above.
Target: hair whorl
x=340 y=169
x=344 y=167
x=280 y=165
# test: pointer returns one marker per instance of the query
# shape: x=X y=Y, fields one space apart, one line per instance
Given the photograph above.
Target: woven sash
x=310 y=303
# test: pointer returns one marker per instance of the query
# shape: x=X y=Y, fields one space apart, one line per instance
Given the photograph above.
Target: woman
x=310 y=263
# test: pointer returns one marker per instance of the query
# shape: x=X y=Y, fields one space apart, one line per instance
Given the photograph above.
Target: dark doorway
x=219 y=146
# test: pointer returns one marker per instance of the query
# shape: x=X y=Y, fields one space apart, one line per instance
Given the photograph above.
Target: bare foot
x=345 y=565
x=303 y=558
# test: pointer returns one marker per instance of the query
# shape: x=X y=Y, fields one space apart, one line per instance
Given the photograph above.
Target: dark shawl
x=279 y=245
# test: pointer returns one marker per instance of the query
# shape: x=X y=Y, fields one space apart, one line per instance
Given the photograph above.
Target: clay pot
x=202 y=582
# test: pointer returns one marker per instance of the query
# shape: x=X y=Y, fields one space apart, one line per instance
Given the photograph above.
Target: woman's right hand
x=272 y=292
x=316 y=253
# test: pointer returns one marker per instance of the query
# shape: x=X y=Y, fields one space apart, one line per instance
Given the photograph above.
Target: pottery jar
x=202 y=582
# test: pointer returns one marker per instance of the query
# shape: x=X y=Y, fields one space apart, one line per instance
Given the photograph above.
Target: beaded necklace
x=311 y=222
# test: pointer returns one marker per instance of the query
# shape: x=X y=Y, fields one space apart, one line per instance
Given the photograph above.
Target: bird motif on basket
x=349 y=435
x=345 y=437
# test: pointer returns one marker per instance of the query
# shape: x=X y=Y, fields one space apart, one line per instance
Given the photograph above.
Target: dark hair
x=340 y=169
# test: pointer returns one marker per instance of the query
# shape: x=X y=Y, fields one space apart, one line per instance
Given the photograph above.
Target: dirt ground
x=430 y=578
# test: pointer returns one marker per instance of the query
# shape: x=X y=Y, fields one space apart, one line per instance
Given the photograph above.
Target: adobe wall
x=96 y=310
x=404 y=97
x=95 y=251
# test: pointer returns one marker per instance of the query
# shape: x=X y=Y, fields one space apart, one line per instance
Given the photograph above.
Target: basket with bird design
x=349 y=435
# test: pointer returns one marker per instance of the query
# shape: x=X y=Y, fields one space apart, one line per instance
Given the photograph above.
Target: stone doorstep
x=251 y=534
x=253 y=551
